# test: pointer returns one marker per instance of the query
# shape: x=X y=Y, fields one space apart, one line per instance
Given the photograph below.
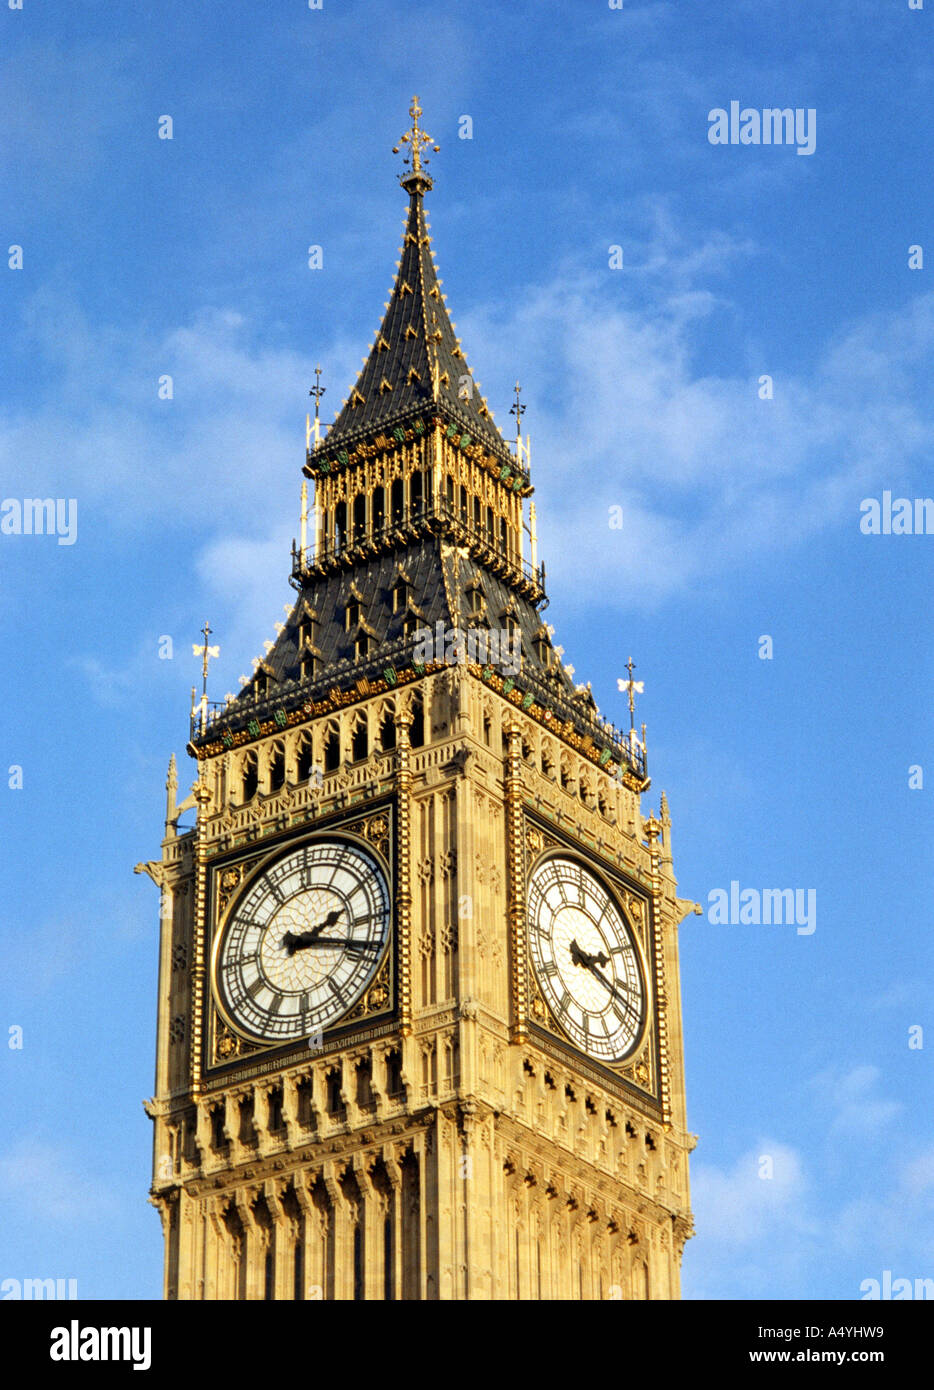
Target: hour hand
x=299 y=941
x=580 y=957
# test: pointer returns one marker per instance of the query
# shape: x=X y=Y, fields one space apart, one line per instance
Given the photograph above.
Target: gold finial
x=417 y=179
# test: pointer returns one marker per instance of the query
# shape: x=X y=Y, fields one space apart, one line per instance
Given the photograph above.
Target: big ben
x=419 y=1023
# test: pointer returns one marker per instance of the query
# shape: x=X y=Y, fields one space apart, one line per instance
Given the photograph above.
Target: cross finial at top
x=633 y=688
x=518 y=410
x=205 y=652
x=317 y=391
x=416 y=179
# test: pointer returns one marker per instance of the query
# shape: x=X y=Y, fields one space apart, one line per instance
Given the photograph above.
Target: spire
x=416 y=362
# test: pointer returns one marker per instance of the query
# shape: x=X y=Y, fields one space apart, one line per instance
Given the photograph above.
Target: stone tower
x=419 y=1026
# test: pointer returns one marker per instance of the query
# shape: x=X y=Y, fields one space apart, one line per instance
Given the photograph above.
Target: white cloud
x=709 y=476
x=740 y=1207
x=852 y=1101
x=755 y=1234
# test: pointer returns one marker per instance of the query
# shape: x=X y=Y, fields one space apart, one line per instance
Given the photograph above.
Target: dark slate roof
x=440 y=576
x=416 y=335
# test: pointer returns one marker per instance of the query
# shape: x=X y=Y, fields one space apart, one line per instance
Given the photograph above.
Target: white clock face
x=303 y=942
x=585 y=959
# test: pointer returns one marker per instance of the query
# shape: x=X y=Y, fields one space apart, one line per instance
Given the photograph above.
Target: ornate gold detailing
x=417 y=179
x=403 y=875
x=377 y=828
x=227 y=1043
x=515 y=882
x=229 y=882
x=375 y=998
x=653 y=829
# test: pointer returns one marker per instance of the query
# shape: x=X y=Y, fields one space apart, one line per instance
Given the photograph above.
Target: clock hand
x=580 y=957
x=341 y=941
x=592 y=963
x=293 y=941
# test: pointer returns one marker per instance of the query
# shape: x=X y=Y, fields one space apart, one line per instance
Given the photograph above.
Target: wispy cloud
x=39 y=1180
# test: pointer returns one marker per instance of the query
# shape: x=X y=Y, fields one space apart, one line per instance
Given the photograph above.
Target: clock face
x=303 y=942
x=585 y=959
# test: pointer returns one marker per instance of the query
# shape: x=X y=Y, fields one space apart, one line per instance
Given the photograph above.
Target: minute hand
x=340 y=941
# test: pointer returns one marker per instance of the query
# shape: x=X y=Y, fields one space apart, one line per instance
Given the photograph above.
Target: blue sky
x=741 y=516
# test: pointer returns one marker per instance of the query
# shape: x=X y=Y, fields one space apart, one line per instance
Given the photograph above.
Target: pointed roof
x=416 y=362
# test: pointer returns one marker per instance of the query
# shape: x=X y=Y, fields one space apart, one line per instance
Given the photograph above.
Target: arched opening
x=397 y=501
x=379 y=509
x=417 y=730
x=304 y=761
x=340 y=525
x=249 y=778
x=298 y=1271
x=387 y=731
x=416 y=492
x=277 y=768
x=332 y=751
x=360 y=742
x=464 y=512
x=359 y=517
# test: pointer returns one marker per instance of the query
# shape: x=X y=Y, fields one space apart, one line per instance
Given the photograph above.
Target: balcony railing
x=364 y=542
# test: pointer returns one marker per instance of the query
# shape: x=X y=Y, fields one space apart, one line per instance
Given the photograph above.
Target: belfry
x=419 y=1025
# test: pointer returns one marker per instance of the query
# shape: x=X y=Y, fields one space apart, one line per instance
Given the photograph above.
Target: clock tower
x=419 y=1025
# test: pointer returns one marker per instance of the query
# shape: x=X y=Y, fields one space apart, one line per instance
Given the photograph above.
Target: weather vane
x=518 y=410
x=317 y=391
x=206 y=652
x=634 y=688
x=415 y=138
